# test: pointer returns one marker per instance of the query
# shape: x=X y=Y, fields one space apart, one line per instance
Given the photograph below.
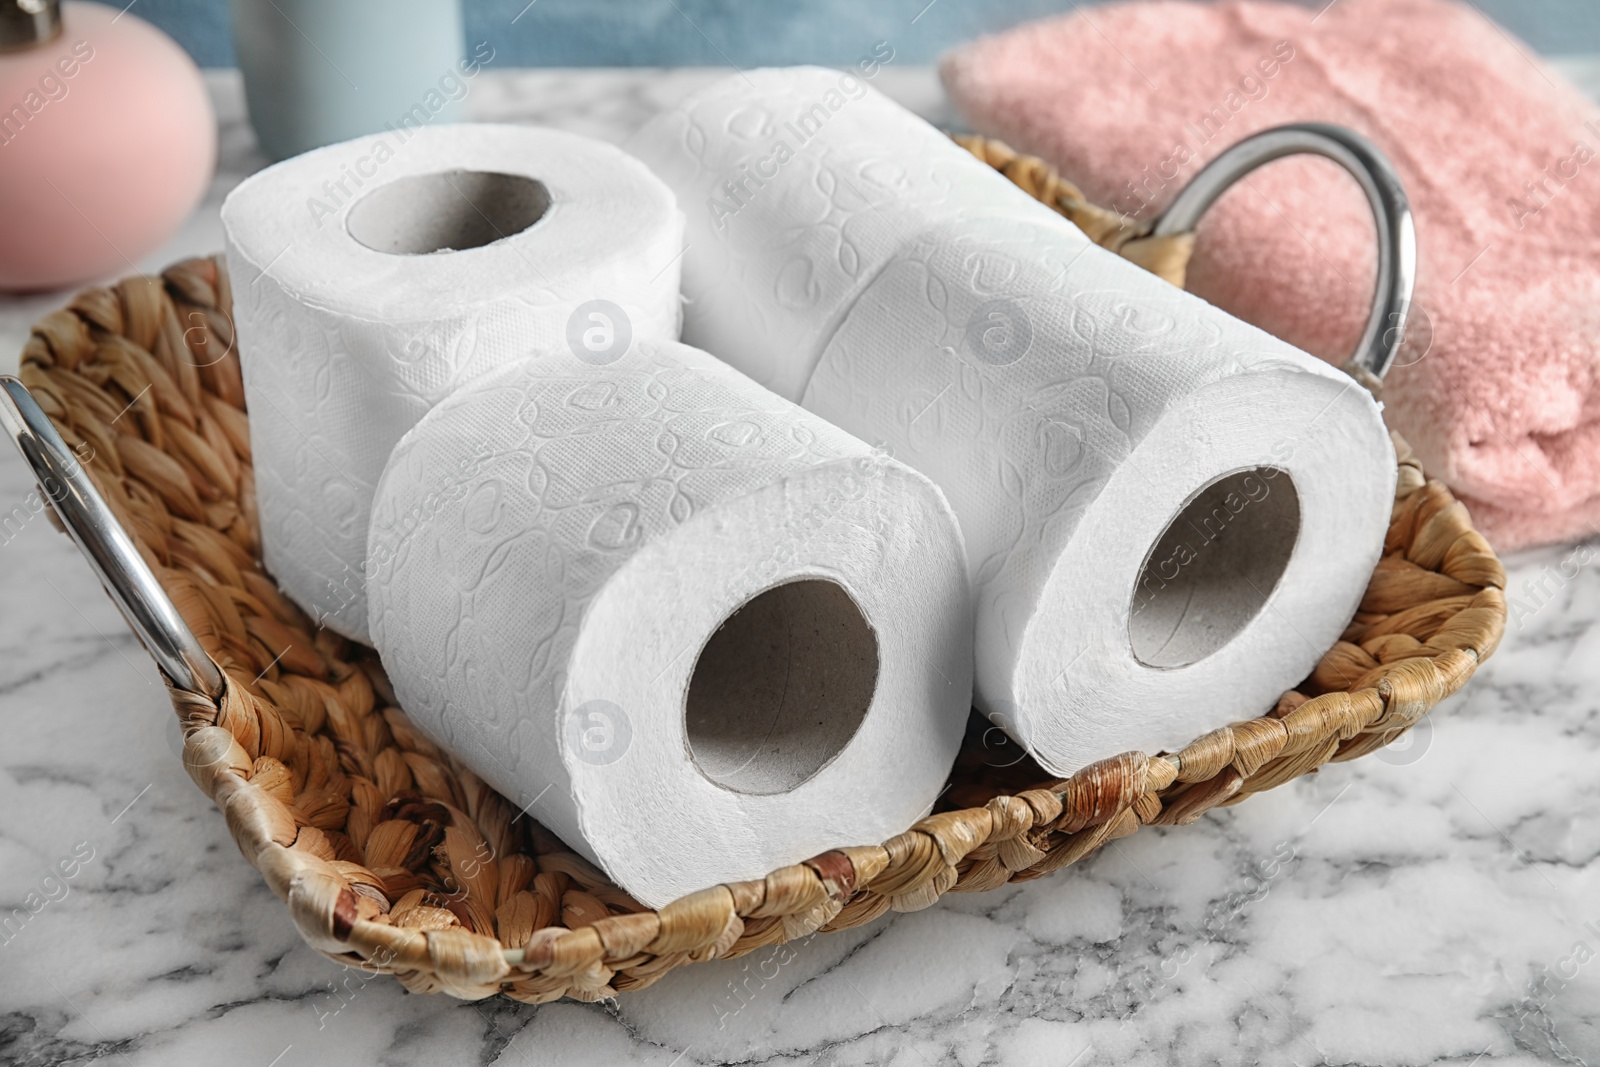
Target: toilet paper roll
x=372 y=278
x=698 y=632
x=1169 y=514
x=798 y=184
x=1086 y=420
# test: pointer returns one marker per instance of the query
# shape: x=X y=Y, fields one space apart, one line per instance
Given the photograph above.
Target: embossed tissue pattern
x=338 y=363
x=767 y=283
x=548 y=495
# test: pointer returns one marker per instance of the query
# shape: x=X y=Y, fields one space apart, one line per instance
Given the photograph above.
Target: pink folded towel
x=1499 y=156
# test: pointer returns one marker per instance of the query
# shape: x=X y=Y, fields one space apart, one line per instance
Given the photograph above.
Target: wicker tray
x=392 y=857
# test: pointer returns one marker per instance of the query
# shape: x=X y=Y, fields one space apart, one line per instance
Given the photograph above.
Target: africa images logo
x=598 y=732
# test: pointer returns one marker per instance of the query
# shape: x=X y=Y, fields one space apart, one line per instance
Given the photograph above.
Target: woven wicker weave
x=392 y=857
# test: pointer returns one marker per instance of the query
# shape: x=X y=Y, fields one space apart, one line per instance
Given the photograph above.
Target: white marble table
x=1399 y=910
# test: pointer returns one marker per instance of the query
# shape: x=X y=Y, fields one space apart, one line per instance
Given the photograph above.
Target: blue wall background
x=580 y=33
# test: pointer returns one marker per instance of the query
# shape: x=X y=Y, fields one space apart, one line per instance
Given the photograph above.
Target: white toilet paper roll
x=798 y=184
x=372 y=278
x=697 y=630
x=1085 y=419
x=1169 y=514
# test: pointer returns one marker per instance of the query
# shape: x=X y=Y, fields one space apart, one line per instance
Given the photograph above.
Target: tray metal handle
x=1391 y=212
x=133 y=587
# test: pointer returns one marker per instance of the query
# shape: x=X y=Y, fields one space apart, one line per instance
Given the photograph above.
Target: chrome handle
x=127 y=578
x=1391 y=212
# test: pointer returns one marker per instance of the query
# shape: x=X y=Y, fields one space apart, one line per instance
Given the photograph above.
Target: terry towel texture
x=1496 y=387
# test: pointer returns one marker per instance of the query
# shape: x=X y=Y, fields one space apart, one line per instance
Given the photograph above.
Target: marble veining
x=1435 y=903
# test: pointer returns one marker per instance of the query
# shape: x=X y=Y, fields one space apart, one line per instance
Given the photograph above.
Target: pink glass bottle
x=107 y=141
